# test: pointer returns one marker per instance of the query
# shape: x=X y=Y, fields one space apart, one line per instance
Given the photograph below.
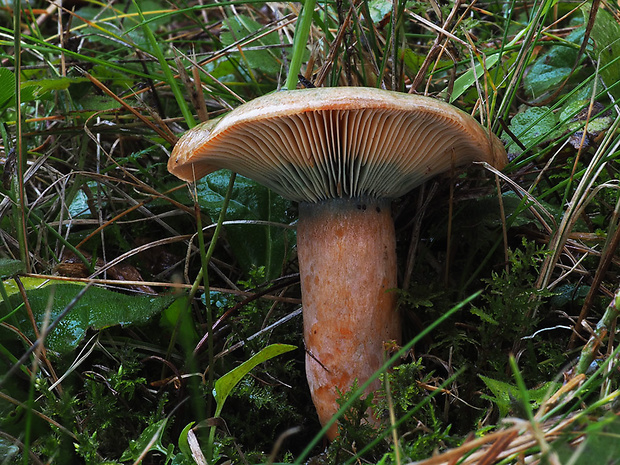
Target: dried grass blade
x=164 y=132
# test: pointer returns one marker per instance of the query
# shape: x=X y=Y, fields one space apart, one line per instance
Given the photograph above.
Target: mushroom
x=343 y=153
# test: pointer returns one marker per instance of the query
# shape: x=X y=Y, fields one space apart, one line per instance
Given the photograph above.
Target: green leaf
x=569 y=293
x=379 y=9
x=178 y=317
x=42 y=86
x=183 y=442
x=241 y=26
x=81 y=205
x=7 y=88
x=484 y=316
x=149 y=440
x=98 y=309
x=104 y=74
x=532 y=126
x=606 y=35
x=577 y=103
x=10 y=267
x=595 y=125
x=180 y=459
x=96 y=102
x=467 y=79
x=224 y=386
x=152 y=11
x=253 y=245
x=413 y=61
x=223 y=70
x=507 y=396
x=28 y=283
x=553 y=67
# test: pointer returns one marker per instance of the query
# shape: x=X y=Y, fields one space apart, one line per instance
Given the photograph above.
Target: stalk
x=205 y=257
x=302 y=32
x=347 y=263
x=18 y=184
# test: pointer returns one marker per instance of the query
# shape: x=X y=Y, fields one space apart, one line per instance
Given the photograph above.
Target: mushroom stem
x=347 y=262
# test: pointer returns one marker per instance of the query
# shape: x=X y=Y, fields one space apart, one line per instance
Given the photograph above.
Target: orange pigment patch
x=348 y=313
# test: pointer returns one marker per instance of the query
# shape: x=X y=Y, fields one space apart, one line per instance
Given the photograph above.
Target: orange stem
x=347 y=261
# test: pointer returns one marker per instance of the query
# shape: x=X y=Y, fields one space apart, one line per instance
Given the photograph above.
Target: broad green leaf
x=467 y=79
x=178 y=317
x=97 y=309
x=41 y=87
x=180 y=459
x=10 y=267
x=93 y=102
x=107 y=74
x=574 y=113
x=7 y=88
x=413 y=60
x=241 y=26
x=485 y=211
x=96 y=23
x=379 y=9
x=606 y=35
x=553 y=67
x=79 y=207
x=153 y=12
x=149 y=440
x=569 y=293
x=253 y=245
x=534 y=125
x=28 y=283
x=577 y=102
x=224 y=386
x=183 y=442
x=595 y=125
x=223 y=70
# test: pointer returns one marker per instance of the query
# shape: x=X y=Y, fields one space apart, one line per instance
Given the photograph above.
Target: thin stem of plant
x=300 y=42
x=204 y=258
x=21 y=162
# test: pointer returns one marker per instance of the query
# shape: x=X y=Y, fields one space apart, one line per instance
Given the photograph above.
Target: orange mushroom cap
x=313 y=144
